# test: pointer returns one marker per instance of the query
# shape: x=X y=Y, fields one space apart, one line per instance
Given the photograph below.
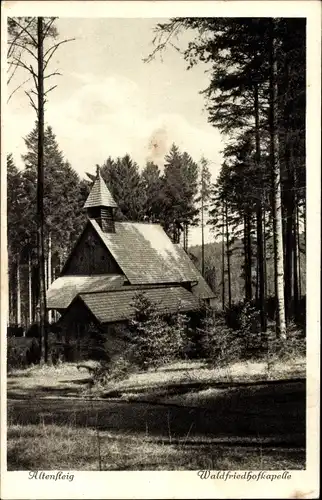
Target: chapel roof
x=112 y=306
x=146 y=254
x=64 y=289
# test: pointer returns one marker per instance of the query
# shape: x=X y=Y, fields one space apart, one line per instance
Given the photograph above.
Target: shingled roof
x=65 y=288
x=100 y=195
x=146 y=254
x=113 y=306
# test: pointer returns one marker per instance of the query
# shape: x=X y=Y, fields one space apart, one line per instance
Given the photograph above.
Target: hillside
x=213 y=268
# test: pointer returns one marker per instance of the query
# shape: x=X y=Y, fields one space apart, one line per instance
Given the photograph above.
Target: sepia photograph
x=156 y=222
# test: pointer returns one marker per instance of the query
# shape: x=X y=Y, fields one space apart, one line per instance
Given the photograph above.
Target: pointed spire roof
x=99 y=195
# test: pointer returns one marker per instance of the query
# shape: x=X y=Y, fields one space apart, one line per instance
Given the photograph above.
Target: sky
x=109 y=102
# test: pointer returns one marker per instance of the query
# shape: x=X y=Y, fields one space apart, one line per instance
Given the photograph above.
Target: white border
x=304 y=484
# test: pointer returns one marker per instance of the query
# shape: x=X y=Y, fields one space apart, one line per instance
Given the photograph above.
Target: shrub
x=250 y=331
x=293 y=347
x=155 y=341
x=22 y=352
x=221 y=345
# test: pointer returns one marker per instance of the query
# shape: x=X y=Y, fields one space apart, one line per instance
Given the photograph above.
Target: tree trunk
x=276 y=189
x=202 y=239
x=298 y=253
x=46 y=272
x=259 y=218
x=40 y=193
x=228 y=256
x=18 y=292
x=288 y=260
x=246 y=264
x=54 y=313
x=250 y=255
x=264 y=256
x=295 y=268
x=49 y=273
x=30 y=291
x=223 y=258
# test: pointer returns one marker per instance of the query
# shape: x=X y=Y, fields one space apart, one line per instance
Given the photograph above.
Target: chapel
x=111 y=262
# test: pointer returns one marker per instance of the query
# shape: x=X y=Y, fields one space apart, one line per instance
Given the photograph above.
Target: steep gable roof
x=146 y=254
x=99 y=195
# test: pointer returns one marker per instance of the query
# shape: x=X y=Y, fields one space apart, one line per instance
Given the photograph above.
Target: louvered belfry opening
x=104 y=217
x=100 y=205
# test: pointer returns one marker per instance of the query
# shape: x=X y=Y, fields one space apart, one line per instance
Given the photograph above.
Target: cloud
x=111 y=117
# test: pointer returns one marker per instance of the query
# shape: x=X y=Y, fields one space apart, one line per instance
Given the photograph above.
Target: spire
x=99 y=195
x=100 y=204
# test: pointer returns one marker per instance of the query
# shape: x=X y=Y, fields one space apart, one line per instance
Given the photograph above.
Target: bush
x=22 y=352
x=250 y=331
x=221 y=345
x=154 y=340
x=293 y=347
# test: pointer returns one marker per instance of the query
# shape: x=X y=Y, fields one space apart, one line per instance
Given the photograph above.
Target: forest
x=256 y=207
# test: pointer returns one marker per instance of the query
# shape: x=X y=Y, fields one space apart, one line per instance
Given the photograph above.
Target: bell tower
x=100 y=205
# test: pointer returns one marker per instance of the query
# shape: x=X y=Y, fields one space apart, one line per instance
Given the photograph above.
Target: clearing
x=181 y=416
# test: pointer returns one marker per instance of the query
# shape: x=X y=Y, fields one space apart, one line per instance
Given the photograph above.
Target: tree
x=14 y=213
x=180 y=186
x=123 y=179
x=64 y=196
x=64 y=193
x=276 y=186
x=204 y=197
x=30 y=35
x=239 y=99
x=152 y=185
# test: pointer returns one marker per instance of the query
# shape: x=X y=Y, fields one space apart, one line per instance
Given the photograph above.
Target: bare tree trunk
x=40 y=192
x=298 y=253
x=30 y=291
x=250 y=254
x=295 y=268
x=49 y=273
x=246 y=265
x=54 y=313
x=202 y=239
x=228 y=256
x=18 y=292
x=46 y=273
x=264 y=259
x=259 y=217
x=11 y=306
x=276 y=190
x=223 y=258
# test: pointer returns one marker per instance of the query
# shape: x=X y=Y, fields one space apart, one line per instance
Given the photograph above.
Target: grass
x=197 y=375
x=49 y=447
x=47 y=380
x=193 y=423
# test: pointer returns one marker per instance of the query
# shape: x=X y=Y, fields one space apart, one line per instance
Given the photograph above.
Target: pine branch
x=13 y=43
x=24 y=29
x=24 y=47
x=49 y=90
x=55 y=73
x=51 y=51
x=16 y=89
x=32 y=102
x=48 y=26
